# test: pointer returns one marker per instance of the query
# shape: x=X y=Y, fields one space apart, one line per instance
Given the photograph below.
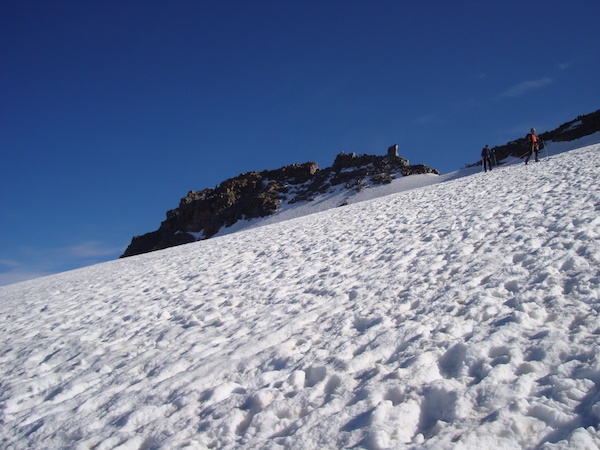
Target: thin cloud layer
x=54 y=260
x=91 y=249
x=524 y=88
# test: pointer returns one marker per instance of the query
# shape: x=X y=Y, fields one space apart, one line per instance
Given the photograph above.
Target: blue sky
x=112 y=111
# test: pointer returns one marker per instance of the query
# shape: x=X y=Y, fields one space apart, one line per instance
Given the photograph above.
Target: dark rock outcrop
x=201 y=214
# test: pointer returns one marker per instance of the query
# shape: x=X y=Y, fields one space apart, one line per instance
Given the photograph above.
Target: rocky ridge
x=583 y=125
x=201 y=214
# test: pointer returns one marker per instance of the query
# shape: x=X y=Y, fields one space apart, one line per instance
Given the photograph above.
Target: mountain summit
x=238 y=201
x=253 y=195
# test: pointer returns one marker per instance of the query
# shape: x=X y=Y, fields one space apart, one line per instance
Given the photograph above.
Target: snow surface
x=458 y=315
x=342 y=196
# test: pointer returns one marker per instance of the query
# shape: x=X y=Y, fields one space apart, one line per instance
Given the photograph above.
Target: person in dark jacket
x=486 y=155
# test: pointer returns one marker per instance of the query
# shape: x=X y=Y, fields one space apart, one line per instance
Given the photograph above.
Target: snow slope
x=343 y=196
x=462 y=315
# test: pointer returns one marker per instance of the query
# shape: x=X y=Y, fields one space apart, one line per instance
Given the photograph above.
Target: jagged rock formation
x=201 y=214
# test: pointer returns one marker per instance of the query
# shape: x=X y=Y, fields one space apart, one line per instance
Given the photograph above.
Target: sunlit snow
x=462 y=314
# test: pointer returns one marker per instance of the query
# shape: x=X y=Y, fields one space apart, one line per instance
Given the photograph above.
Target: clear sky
x=112 y=111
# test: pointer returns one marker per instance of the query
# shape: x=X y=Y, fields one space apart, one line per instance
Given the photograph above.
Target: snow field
x=458 y=315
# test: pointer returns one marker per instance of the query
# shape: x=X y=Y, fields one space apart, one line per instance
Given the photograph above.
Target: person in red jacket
x=534 y=146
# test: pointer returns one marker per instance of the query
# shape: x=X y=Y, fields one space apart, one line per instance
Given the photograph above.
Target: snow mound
x=462 y=314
